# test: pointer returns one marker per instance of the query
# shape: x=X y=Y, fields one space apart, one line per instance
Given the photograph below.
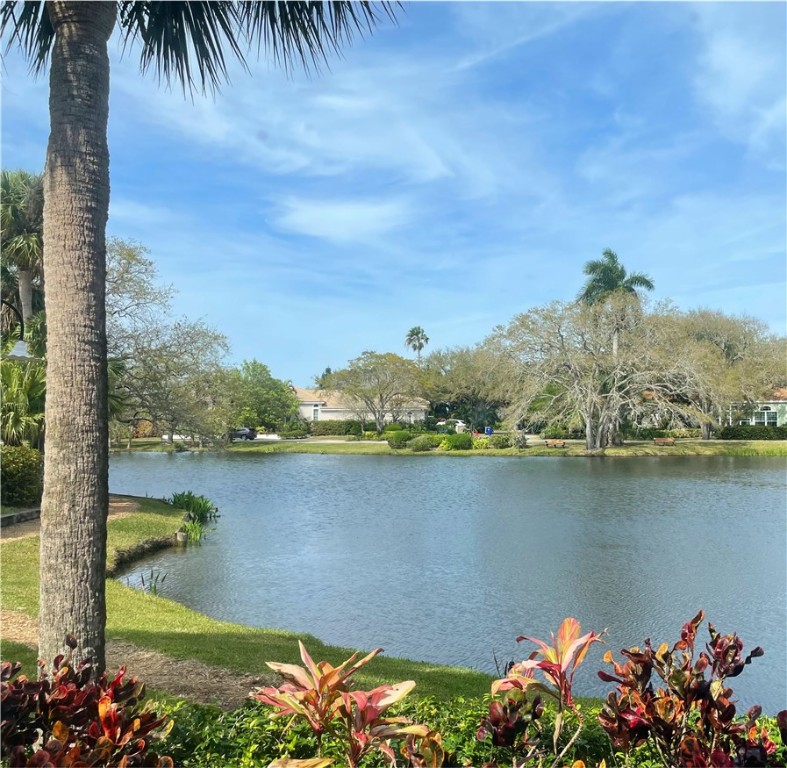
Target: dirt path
x=186 y=678
x=180 y=677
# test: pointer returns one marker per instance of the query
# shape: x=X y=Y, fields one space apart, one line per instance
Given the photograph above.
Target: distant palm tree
x=22 y=223
x=607 y=275
x=416 y=339
x=185 y=42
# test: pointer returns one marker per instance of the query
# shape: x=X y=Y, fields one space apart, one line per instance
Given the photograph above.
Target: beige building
x=325 y=405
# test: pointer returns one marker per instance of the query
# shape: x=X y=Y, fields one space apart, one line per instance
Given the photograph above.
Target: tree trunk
x=25 y=285
x=707 y=430
x=76 y=205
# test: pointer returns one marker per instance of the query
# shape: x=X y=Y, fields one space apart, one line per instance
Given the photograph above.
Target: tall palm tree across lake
x=416 y=339
x=607 y=275
x=185 y=42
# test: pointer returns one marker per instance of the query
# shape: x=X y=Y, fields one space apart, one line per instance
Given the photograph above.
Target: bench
x=555 y=443
x=664 y=440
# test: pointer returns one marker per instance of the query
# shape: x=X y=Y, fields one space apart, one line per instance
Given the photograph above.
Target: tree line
x=610 y=362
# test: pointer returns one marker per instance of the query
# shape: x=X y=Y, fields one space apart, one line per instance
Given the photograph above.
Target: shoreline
x=573 y=448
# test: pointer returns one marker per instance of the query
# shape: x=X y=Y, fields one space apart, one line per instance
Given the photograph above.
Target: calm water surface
x=448 y=559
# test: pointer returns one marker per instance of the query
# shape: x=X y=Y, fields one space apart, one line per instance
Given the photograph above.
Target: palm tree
x=416 y=339
x=607 y=275
x=185 y=42
x=22 y=221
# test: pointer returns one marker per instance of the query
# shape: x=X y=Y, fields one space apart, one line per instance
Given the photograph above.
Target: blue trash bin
x=487 y=430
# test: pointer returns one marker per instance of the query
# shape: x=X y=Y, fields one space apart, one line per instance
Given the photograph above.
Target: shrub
x=335 y=427
x=558 y=432
x=648 y=433
x=320 y=695
x=753 y=432
x=514 y=721
x=458 y=442
x=21 y=475
x=520 y=439
x=67 y=717
x=293 y=433
x=501 y=441
x=395 y=427
x=688 y=715
x=421 y=443
x=480 y=443
x=370 y=435
x=398 y=439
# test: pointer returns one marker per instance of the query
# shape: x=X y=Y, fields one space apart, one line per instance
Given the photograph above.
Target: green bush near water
x=753 y=432
x=398 y=439
x=461 y=441
x=335 y=427
x=421 y=444
x=21 y=476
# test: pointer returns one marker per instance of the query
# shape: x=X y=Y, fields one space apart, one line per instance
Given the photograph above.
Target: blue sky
x=452 y=171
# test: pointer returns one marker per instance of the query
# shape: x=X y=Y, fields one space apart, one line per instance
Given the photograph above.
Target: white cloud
x=341 y=220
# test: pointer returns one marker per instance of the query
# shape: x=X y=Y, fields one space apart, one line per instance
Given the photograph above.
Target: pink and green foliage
x=68 y=718
x=313 y=691
x=320 y=694
x=689 y=717
x=515 y=722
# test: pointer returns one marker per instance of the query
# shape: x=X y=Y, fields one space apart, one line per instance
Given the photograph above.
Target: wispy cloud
x=341 y=220
x=742 y=73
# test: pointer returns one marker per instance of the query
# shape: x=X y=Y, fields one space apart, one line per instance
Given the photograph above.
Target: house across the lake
x=762 y=413
x=326 y=405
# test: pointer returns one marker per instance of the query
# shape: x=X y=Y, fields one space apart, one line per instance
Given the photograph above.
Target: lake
x=448 y=559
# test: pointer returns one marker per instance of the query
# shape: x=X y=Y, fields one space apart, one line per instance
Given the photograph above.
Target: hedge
x=753 y=432
x=648 y=433
x=335 y=427
x=21 y=476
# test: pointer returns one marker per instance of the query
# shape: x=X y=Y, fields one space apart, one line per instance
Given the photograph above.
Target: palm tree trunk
x=76 y=185
x=25 y=286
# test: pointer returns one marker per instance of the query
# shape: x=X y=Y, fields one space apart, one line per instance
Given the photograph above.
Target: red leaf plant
x=515 y=721
x=689 y=716
x=319 y=693
x=79 y=719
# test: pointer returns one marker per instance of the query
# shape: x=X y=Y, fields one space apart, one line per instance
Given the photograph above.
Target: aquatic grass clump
x=200 y=508
x=194 y=531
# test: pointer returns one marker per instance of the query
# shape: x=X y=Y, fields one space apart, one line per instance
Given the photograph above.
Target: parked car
x=244 y=433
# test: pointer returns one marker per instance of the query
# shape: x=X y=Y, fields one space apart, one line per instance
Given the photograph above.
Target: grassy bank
x=572 y=448
x=342 y=446
x=166 y=626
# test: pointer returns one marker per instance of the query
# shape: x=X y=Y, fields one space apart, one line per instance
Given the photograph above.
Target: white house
x=765 y=413
x=325 y=405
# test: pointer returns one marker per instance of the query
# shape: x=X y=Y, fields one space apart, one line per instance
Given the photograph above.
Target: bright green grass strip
x=169 y=627
x=296 y=446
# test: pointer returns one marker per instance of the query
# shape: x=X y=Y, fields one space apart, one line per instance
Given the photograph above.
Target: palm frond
x=308 y=31
x=640 y=280
x=183 y=41
x=27 y=24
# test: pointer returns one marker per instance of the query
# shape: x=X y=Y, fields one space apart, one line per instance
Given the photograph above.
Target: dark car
x=244 y=433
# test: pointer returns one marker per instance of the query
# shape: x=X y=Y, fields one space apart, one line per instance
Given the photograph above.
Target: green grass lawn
x=169 y=627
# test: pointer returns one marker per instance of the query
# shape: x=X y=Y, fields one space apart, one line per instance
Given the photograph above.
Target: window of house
x=315 y=413
x=765 y=417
